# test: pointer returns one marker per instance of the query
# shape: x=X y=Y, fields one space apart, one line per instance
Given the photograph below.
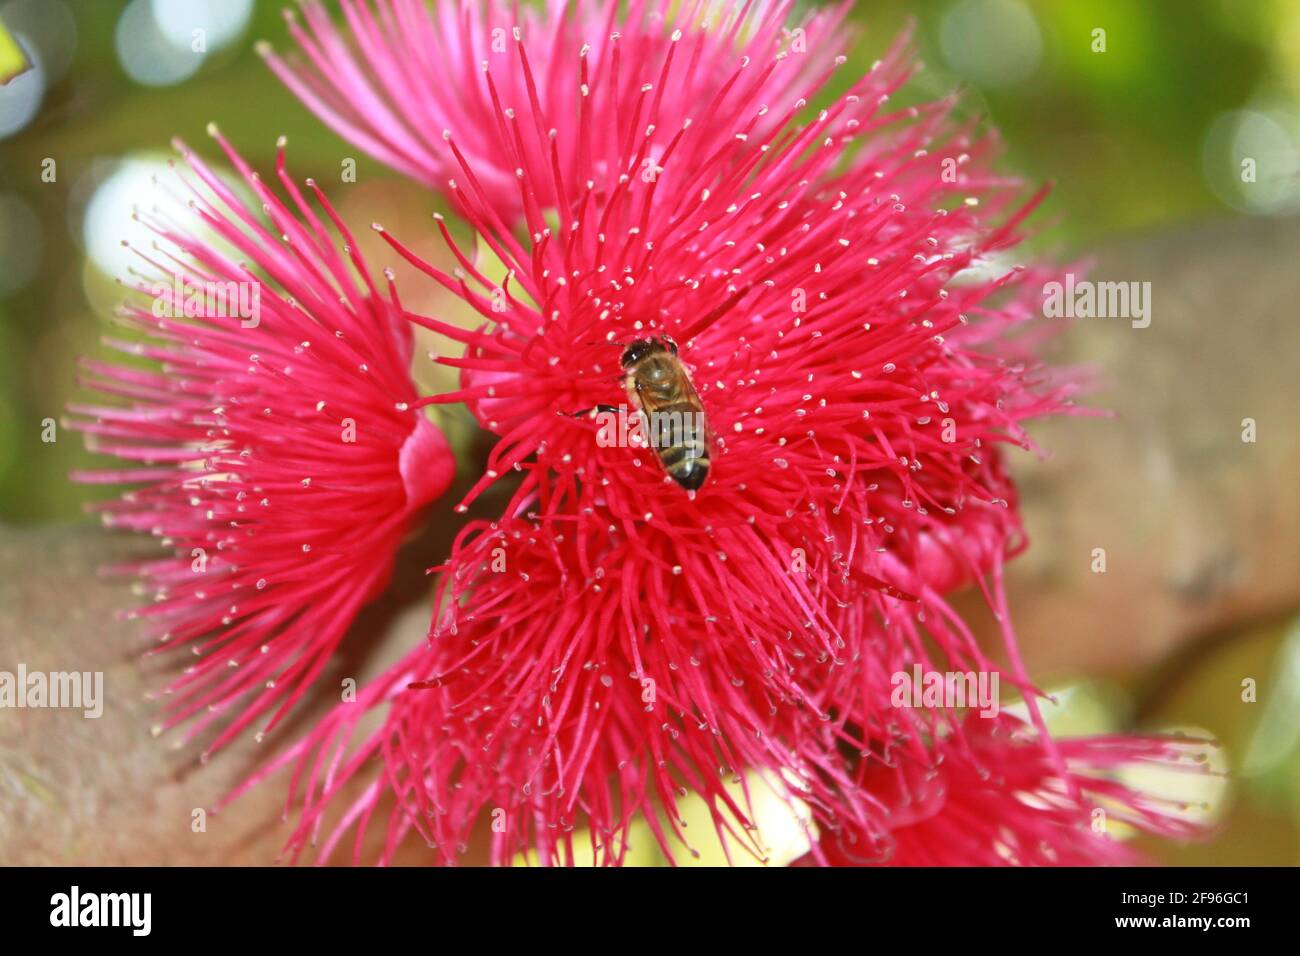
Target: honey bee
x=672 y=416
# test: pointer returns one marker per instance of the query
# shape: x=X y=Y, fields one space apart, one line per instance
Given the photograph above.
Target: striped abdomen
x=679 y=436
x=672 y=416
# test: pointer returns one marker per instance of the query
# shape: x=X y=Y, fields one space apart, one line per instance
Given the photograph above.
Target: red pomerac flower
x=565 y=694
x=406 y=71
x=276 y=452
x=995 y=797
x=620 y=636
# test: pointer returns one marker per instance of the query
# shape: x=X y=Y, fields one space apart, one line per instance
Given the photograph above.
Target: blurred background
x=1144 y=128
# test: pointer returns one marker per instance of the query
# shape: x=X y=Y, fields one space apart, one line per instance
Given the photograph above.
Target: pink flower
x=566 y=692
x=994 y=797
x=404 y=73
x=616 y=637
x=275 y=453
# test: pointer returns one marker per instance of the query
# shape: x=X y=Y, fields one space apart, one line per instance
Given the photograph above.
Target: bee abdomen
x=689 y=470
x=678 y=434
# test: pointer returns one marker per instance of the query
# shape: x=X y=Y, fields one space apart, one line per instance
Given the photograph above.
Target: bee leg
x=610 y=409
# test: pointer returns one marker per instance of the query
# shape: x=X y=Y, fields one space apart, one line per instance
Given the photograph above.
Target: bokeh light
x=148 y=54
x=135 y=183
x=1252 y=160
x=222 y=21
x=20 y=98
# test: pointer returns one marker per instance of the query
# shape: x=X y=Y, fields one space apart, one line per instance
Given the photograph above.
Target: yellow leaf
x=12 y=59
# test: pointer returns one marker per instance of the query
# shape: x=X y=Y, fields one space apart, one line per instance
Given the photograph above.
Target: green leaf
x=12 y=59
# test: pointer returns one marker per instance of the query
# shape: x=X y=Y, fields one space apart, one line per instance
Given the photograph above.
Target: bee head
x=639 y=349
